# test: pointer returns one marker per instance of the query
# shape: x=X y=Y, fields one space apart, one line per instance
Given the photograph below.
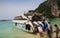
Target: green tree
x=45 y=9
x=59 y=15
x=58 y=4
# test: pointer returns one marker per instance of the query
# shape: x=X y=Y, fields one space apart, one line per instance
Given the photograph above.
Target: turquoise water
x=7 y=29
x=55 y=22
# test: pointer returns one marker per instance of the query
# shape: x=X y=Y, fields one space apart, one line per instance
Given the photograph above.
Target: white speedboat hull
x=19 y=21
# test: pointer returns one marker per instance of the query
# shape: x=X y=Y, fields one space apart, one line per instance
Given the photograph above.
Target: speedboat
x=22 y=22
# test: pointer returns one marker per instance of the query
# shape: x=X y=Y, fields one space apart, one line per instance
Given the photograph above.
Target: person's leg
x=56 y=35
x=49 y=34
x=34 y=31
x=40 y=34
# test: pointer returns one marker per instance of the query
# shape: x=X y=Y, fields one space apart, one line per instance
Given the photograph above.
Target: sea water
x=55 y=22
x=8 y=30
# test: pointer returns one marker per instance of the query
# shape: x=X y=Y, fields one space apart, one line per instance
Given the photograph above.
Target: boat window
x=20 y=19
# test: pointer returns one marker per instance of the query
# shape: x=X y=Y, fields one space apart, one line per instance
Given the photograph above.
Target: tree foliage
x=44 y=9
x=58 y=3
x=41 y=7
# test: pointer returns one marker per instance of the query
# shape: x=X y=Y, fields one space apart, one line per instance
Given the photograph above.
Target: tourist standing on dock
x=56 y=30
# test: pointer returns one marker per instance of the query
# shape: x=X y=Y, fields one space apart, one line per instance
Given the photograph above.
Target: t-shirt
x=49 y=26
x=45 y=26
x=40 y=29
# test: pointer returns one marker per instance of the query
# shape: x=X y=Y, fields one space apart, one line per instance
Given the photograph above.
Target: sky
x=11 y=8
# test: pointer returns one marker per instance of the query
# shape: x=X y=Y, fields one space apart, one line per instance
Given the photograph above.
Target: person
x=27 y=27
x=49 y=28
x=35 y=24
x=56 y=30
x=35 y=19
x=45 y=25
x=40 y=28
x=15 y=24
